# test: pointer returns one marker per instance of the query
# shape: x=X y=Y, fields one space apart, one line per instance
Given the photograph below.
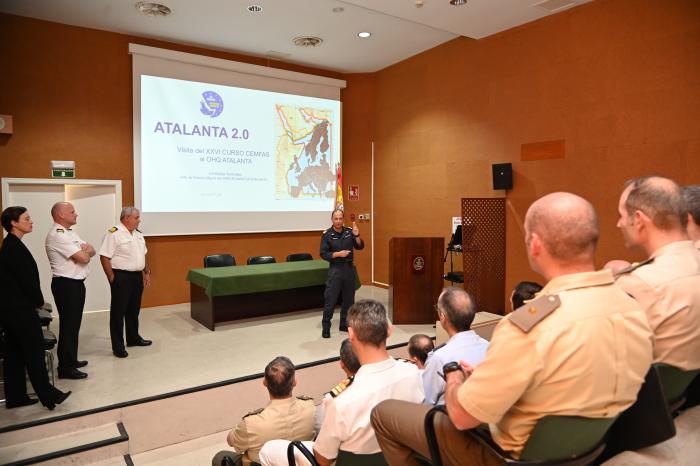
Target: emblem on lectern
x=418 y=263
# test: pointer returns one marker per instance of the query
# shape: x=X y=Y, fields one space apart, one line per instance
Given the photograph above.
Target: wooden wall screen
x=484 y=251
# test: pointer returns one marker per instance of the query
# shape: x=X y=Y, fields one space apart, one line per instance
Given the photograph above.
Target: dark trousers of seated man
x=399 y=429
x=69 y=295
x=229 y=458
x=127 y=288
x=340 y=281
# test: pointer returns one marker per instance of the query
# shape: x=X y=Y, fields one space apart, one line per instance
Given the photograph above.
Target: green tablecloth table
x=220 y=294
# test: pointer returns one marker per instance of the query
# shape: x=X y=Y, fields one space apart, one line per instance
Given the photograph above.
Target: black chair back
x=647 y=422
x=255 y=260
x=302 y=256
x=219 y=260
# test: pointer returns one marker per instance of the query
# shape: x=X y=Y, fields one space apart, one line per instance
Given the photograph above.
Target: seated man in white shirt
x=347 y=425
x=456 y=312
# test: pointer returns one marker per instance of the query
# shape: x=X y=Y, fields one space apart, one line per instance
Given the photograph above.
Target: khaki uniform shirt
x=61 y=243
x=588 y=358
x=668 y=289
x=291 y=419
x=127 y=251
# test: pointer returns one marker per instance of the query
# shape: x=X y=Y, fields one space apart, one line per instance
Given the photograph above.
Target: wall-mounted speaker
x=502 y=175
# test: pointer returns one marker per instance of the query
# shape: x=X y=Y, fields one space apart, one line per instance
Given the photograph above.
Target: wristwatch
x=451 y=367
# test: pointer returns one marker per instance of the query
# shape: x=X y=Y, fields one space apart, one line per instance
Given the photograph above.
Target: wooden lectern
x=415 y=279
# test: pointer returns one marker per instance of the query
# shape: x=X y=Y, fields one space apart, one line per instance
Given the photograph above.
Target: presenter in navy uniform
x=69 y=257
x=337 y=244
x=123 y=258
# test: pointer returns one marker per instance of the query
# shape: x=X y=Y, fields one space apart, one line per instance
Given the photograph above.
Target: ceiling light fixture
x=307 y=41
x=458 y=2
x=153 y=9
x=254 y=9
x=364 y=34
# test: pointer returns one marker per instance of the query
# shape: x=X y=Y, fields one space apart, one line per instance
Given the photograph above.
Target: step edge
x=123 y=437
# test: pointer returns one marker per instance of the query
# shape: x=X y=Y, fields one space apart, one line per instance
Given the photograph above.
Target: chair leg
x=50 y=366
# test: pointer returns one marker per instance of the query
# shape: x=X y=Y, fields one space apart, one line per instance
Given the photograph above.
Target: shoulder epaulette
x=60 y=230
x=305 y=397
x=405 y=360
x=113 y=229
x=253 y=413
x=633 y=266
x=340 y=388
x=530 y=314
x=437 y=347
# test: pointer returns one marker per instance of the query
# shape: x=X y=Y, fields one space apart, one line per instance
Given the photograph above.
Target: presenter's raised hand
x=355 y=230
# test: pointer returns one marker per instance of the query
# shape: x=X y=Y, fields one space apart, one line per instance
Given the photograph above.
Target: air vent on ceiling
x=153 y=9
x=255 y=8
x=307 y=41
x=554 y=6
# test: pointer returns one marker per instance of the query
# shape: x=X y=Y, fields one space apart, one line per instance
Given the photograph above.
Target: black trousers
x=24 y=351
x=124 y=308
x=339 y=282
x=69 y=295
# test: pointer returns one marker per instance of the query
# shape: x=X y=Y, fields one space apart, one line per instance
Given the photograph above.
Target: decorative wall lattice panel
x=484 y=251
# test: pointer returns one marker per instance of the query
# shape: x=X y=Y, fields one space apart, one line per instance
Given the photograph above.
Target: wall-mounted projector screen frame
x=298 y=204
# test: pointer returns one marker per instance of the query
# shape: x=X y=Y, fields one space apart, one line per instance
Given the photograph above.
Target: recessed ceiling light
x=153 y=9
x=338 y=9
x=458 y=2
x=255 y=8
x=307 y=41
x=364 y=34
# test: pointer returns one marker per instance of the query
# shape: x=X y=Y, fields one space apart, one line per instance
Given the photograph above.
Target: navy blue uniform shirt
x=332 y=241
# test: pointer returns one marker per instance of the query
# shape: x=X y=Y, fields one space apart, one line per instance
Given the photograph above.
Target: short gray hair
x=458 y=308
x=661 y=199
x=692 y=201
x=128 y=211
x=367 y=318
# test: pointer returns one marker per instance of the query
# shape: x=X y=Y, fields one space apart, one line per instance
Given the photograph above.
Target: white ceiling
x=399 y=28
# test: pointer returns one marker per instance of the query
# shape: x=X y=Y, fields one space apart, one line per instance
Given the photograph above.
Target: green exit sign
x=63 y=172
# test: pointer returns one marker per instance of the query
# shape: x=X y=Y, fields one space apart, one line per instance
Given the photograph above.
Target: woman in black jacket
x=20 y=296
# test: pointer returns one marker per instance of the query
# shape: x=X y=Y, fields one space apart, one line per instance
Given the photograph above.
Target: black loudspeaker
x=502 y=175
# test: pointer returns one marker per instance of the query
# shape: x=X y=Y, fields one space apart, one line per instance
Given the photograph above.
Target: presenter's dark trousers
x=340 y=282
x=124 y=309
x=69 y=295
x=24 y=355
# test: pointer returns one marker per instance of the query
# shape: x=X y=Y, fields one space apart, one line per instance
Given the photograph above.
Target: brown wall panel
x=69 y=90
x=618 y=80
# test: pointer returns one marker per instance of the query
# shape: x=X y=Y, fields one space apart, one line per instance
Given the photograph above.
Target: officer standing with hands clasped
x=123 y=257
x=337 y=244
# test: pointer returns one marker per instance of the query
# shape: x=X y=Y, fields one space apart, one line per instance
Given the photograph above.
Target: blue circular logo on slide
x=212 y=104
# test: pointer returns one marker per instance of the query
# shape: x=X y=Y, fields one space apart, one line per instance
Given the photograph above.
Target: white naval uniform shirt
x=127 y=251
x=61 y=243
x=347 y=425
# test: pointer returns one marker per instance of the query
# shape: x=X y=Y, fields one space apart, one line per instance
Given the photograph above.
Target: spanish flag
x=339 y=191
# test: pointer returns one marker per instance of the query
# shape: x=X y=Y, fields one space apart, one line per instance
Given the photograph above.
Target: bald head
x=59 y=208
x=566 y=224
x=660 y=199
x=63 y=213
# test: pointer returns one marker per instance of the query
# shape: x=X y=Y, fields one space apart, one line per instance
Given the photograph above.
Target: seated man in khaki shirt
x=581 y=348
x=653 y=218
x=691 y=194
x=286 y=416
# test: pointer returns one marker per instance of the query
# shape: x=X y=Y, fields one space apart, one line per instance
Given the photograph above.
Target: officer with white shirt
x=69 y=257
x=123 y=258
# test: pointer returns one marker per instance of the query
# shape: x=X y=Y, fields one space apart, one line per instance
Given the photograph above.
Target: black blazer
x=19 y=277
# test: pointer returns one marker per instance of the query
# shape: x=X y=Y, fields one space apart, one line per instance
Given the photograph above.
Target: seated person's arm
x=321 y=460
x=238 y=437
x=458 y=415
